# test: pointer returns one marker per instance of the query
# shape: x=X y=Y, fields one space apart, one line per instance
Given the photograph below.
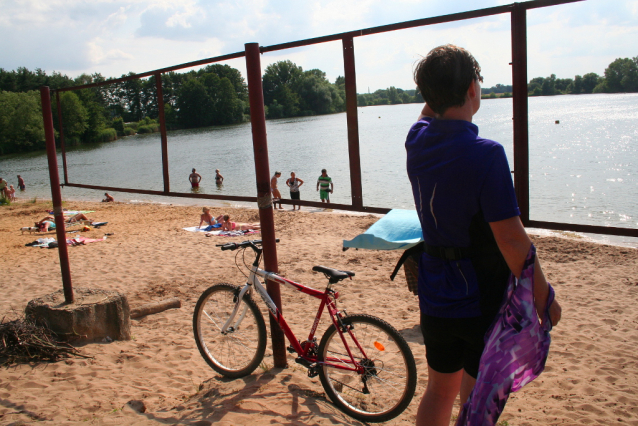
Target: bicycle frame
x=328 y=299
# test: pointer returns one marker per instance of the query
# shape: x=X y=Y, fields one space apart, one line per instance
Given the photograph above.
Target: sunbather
x=227 y=225
x=208 y=218
x=48 y=223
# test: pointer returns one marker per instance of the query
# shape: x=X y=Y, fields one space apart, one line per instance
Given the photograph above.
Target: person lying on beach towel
x=227 y=225
x=208 y=218
x=80 y=240
x=230 y=233
x=48 y=223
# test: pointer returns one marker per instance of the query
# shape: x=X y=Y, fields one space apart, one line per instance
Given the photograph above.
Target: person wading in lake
x=219 y=179
x=472 y=233
x=21 y=184
x=195 y=178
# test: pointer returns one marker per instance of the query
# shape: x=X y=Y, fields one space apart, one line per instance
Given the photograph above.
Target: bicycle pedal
x=313 y=370
x=291 y=350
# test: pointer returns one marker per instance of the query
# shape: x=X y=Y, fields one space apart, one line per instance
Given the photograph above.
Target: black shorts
x=294 y=195
x=452 y=344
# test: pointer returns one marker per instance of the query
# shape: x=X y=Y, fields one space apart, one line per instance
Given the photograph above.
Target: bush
x=118 y=125
x=151 y=128
x=129 y=131
x=107 y=135
x=133 y=125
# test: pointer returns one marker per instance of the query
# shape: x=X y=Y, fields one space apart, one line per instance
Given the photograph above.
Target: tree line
x=217 y=95
x=621 y=76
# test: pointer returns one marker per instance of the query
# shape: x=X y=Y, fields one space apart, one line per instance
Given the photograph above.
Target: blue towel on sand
x=397 y=230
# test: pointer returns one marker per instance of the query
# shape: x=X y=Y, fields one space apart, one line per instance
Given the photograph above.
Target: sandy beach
x=588 y=378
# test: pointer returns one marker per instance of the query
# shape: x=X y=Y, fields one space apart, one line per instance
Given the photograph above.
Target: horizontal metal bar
x=334 y=206
x=590 y=229
x=159 y=71
x=479 y=13
x=316 y=40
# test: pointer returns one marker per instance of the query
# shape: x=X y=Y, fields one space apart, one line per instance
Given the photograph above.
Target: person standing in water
x=194 y=178
x=219 y=179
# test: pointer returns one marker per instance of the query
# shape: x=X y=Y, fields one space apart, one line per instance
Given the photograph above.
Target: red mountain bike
x=365 y=365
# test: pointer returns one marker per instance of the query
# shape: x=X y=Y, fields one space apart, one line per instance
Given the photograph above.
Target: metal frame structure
x=518 y=14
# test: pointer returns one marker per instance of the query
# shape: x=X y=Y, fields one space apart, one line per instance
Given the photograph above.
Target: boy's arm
x=514 y=244
x=426 y=112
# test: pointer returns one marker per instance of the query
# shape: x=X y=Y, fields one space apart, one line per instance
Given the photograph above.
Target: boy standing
x=472 y=233
x=325 y=186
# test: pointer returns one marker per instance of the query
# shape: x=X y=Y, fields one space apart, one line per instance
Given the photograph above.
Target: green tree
x=549 y=86
x=280 y=83
x=74 y=117
x=562 y=85
x=577 y=86
x=21 y=125
x=590 y=81
x=315 y=94
x=233 y=75
x=194 y=104
x=622 y=75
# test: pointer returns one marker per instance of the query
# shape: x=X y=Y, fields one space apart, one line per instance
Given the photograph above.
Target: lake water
x=583 y=170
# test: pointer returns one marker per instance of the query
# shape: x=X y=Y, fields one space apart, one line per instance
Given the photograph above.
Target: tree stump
x=95 y=314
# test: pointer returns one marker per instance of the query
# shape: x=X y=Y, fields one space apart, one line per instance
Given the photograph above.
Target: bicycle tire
x=238 y=352
x=390 y=375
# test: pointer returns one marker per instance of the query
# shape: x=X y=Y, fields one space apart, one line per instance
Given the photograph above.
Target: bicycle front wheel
x=238 y=351
x=382 y=382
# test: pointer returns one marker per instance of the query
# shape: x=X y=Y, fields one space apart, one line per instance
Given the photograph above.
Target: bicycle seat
x=333 y=275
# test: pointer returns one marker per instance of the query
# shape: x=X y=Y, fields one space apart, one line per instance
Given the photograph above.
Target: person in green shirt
x=325 y=186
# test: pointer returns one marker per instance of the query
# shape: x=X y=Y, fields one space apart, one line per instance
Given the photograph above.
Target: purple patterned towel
x=516 y=349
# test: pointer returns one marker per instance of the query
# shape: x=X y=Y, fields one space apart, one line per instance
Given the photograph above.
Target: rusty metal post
x=353 y=122
x=62 y=147
x=160 y=108
x=56 y=196
x=519 y=94
x=264 y=198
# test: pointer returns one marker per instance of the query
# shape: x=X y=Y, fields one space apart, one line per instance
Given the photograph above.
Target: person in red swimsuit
x=195 y=178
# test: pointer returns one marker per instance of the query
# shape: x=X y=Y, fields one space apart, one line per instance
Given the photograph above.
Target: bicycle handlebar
x=235 y=246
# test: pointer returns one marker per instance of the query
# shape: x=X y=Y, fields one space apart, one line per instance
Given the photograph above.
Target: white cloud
x=114 y=37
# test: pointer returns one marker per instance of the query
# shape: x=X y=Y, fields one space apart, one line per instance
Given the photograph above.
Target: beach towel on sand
x=516 y=348
x=231 y=233
x=204 y=229
x=397 y=230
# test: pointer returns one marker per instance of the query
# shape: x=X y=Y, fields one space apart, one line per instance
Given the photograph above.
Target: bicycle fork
x=227 y=327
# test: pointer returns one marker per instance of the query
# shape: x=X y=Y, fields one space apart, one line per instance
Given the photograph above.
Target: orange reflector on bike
x=379 y=346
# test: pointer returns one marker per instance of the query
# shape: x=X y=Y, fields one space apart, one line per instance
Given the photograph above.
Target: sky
x=115 y=37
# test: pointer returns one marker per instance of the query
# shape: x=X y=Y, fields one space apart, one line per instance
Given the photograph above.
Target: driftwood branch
x=155 y=307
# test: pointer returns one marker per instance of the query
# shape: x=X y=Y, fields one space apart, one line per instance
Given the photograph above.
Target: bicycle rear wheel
x=240 y=350
x=386 y=381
